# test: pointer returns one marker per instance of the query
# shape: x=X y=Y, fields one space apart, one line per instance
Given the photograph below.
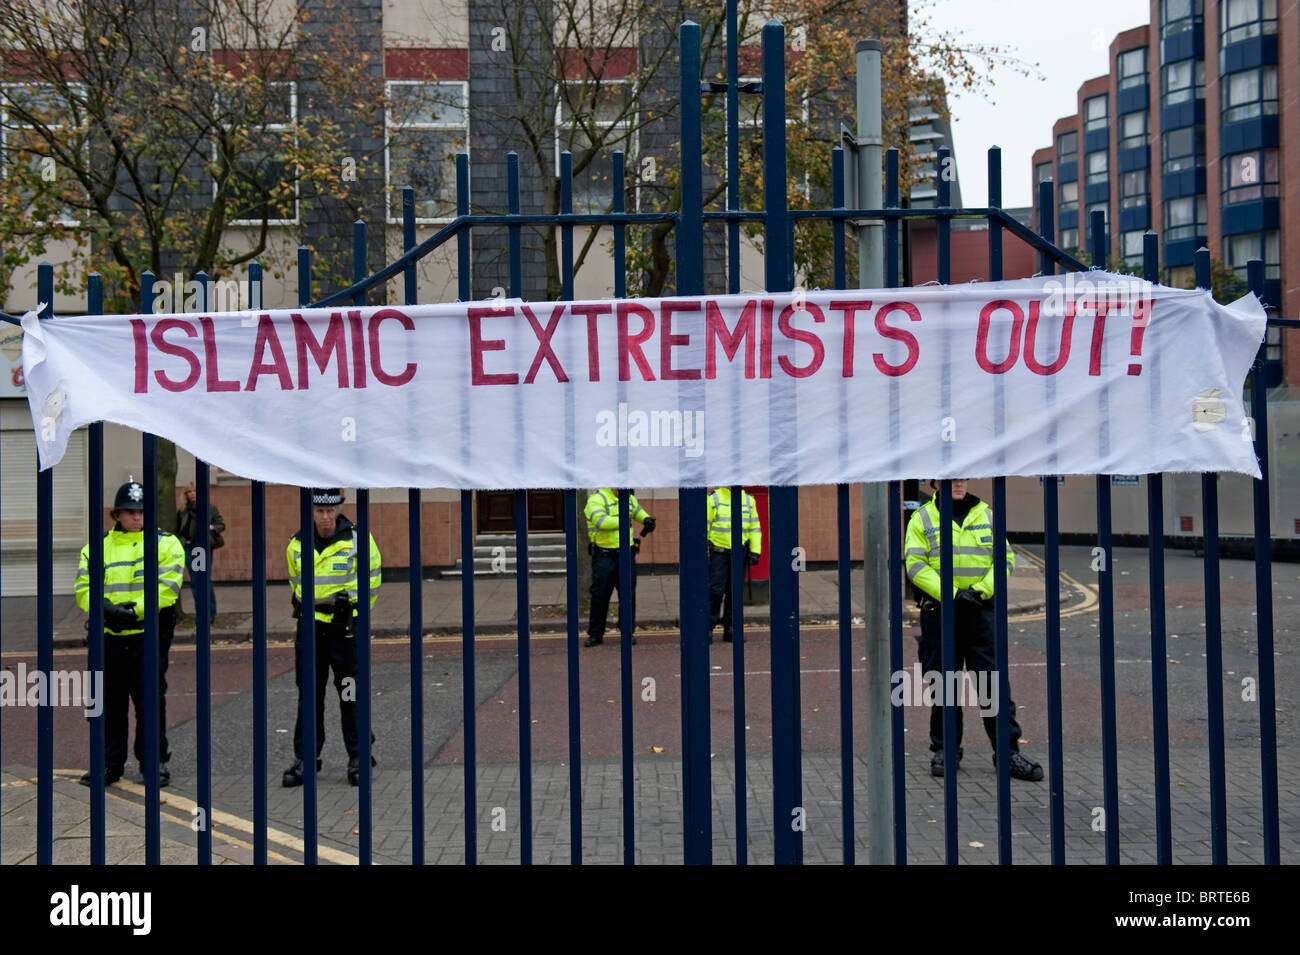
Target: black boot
x=354 y=769
x=110 y=776
x=293 y=775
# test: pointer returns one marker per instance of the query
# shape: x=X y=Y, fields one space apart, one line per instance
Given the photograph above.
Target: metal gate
x=696 y=797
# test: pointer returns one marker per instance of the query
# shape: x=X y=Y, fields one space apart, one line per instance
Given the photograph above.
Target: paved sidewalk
x=658 y=603
x=657 y=814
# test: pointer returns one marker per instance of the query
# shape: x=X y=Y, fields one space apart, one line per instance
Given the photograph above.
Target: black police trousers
x=604 y=581
x=973 y=643
x=720 y=588
x=336 y=649
x=124 y=685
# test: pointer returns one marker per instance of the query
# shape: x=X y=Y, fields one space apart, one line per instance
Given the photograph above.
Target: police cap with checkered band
x=326 y=496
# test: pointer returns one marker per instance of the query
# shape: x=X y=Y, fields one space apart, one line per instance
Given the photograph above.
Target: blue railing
x=787 y=795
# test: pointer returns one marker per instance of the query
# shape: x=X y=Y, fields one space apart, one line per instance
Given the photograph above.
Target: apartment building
x=1195 y=133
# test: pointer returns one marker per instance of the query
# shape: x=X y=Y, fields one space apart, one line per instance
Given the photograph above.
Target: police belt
x=331 y=607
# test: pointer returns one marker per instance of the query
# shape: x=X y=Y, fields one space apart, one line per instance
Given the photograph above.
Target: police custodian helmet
x=130 y=497
x=326 y=495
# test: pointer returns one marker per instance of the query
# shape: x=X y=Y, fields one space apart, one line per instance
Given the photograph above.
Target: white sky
x=1068 y=39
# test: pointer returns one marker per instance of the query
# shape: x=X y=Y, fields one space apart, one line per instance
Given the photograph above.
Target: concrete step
x=546 y=555
x=534 y=550
x=487 y=571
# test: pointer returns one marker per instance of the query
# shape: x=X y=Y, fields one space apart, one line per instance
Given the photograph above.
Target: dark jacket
x=187 y=531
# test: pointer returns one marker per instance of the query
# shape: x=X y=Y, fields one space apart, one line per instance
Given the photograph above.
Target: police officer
x=334 y=546
x=603 y=527
x=719 y=514
x=972 y=542
x=124 y=584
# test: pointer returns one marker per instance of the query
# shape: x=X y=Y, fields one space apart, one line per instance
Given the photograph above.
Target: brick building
x=458 y=74
x=1195 y=133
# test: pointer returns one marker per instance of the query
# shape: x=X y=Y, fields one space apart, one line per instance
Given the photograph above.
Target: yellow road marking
x=184 y=804
x=280 y=838
x=1090 y=595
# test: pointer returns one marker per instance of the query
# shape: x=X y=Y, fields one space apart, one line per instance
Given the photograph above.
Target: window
x=1042 y=172
x=1067 y=147
x=1133 y=68
x=1133 y=130
x=1242 y=19
x=1184 y=218
x=428 y=124
x=1098 y=167
x=21 y=145
x=600 y=113
x=1183 y=81
x=1133 y=189
x=1240 y=249
x=263 y=184
x=1069 y=196
x=1069 y=239
x=1177 y=16
x=1184 y=148
x=1094 y=113
x=1249 y=93
x=1250 y=176
x=1130 y=247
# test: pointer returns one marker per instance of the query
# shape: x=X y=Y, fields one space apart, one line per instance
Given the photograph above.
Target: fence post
x=1156 y=579
x=306 y=636
x=788 y=817
x=875 y=536
x=1264 y=589
x=696 y=789
x=95 y=564
x=200 y=587
x=1213 y=636
x=45 y=619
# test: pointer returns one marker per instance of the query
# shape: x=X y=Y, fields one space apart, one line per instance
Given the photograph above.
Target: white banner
x=1077 y=374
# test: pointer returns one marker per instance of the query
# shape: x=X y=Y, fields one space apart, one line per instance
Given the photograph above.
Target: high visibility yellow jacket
x=972 y=545
x=124 y=572
x=719 y=513
x=602 y=516
x=335 y=568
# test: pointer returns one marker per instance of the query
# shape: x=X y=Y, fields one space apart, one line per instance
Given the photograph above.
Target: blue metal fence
x=689 y=225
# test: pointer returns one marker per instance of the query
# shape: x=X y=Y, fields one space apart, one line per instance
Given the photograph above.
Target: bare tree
x=151 y=134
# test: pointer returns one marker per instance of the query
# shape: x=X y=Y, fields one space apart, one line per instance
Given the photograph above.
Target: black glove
x=297 y=607
x=753 y=558
x=120 y=616
x=970 y=597
x=648 y=525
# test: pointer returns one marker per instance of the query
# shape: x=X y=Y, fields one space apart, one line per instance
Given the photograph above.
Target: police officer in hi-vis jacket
x=603 y=527
x=973 y=585
x=334 y=605
x=124 y=553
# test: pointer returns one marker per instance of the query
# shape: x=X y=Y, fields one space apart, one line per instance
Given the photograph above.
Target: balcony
x=1257 y=132
x=1259 y=215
